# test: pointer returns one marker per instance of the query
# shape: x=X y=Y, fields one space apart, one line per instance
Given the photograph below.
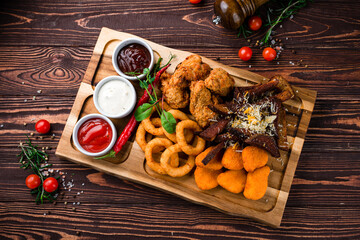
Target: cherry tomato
x=50 y=184
x=255 y=23
x=195 y=1
x=269 y=54
x=32 y=181
x=245 y=53
x=42 y=126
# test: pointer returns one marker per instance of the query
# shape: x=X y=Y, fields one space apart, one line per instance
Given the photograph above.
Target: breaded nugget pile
x=235 y=170
x=195 y=83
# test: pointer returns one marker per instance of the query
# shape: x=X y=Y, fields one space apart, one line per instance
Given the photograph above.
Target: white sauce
x=115 y=97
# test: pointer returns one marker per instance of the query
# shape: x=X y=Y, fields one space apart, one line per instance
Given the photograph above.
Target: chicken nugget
x=176 y=97
x=254 y=157
x=257 y=183
x=214 y=164
x=164 y=79
x=232 y=159
x=205 y=178
x=200 y=99
x=220 y=82
x=233 y=180
x=193 y=69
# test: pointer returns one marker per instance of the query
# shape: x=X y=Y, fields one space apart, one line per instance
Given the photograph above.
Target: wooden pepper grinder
x=232 y=13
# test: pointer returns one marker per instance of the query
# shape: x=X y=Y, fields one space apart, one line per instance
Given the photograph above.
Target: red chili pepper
x=129 y=128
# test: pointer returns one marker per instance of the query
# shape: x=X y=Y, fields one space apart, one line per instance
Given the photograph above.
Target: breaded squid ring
x=142 y=139
x=178 y=115
x=176 y=171
x=149 y=150
x=185 y=147
x=150 y=127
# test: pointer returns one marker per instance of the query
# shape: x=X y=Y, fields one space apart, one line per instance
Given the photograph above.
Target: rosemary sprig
x=288 y=10
x=32 y=158
x=276 y=14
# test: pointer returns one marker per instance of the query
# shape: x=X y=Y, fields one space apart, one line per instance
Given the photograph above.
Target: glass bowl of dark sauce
x=131 y=57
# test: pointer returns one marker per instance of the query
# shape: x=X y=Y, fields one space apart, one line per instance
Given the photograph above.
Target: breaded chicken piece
x=192 y=69
x=176 y=97
x=232 y=159
x=200 y=98
x=233 y=180
x=164 y=79
x=220 y=82
x=175 y=91
x=205 y=178
x=214 y=164
x=254 y=157
x=257 y=183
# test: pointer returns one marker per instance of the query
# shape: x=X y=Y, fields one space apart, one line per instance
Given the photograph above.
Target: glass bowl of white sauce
x=114 y=97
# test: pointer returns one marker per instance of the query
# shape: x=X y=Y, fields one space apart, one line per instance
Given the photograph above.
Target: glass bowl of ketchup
x=131 y=56
x=94 y=135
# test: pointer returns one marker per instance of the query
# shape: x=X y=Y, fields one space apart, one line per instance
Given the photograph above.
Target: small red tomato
x=255 y=23
x=269 y=54
x=195 y=1
x=245 y=53
x=42 y=126
x=50 y=184
x=32 y=181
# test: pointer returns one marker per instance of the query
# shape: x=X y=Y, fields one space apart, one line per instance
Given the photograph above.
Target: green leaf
x=146 y=70
x=143 y=84
x=151 y=80
x=168 y=122
x=143 y=111
x=151 y=101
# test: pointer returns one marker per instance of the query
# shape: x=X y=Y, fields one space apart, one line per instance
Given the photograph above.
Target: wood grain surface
x=47 y=45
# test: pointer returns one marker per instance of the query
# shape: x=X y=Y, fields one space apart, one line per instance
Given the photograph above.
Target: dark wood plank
x=47 y=45
x=176 y=24
x=24 y=220
x=316 y=183
x=58 y=71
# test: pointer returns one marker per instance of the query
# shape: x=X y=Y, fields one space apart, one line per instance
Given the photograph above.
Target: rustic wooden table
x=46 y=45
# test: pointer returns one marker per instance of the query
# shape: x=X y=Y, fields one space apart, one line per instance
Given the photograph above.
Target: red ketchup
x=95 y=135
x=133 y=58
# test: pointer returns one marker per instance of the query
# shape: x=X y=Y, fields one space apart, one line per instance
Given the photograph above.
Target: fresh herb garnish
x=145 y=110
x=34 y=159
x=275 y=14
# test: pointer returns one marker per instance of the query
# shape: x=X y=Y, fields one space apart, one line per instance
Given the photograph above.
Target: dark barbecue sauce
x=133 y=58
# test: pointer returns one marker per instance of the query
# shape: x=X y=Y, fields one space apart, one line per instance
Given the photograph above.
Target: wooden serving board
x=130 y=163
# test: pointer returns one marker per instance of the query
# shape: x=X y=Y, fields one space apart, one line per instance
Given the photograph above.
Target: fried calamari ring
x=150 y=127
x=178 y=115
x=176 y=171
x=142 y=139
x=185 y=147
x=149 y=150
